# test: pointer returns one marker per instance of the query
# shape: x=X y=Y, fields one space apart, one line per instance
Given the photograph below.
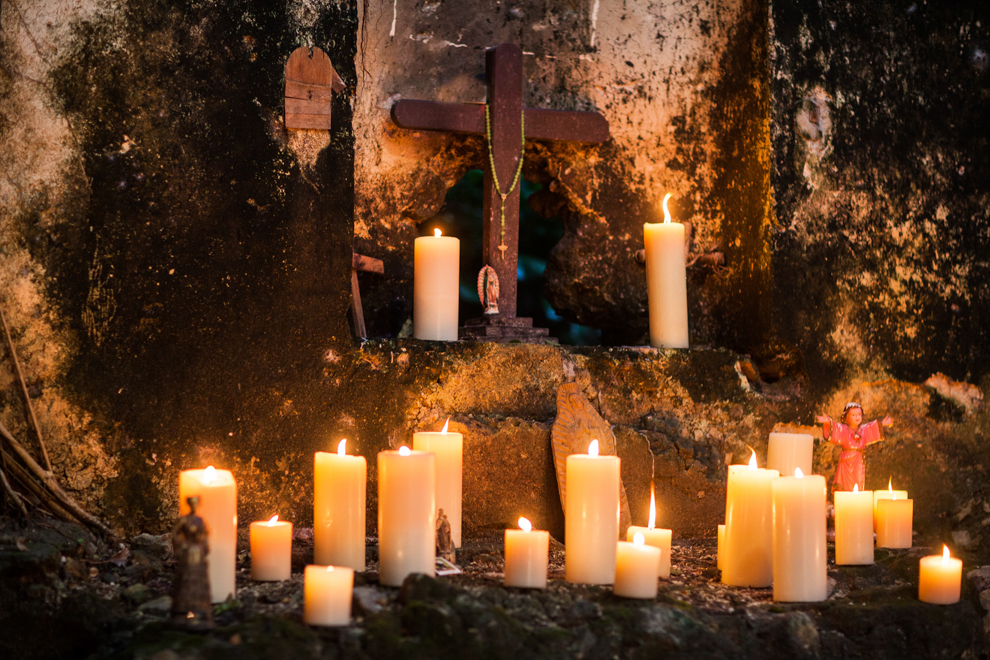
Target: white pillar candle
x=327 y=594
x=787 y=451
x=940 y=578
x=658 y=538
x=800 y=549
x=407 y=538
x=853 y=527
x=449 y=449
x=271 y=550
x=591 y=517
x=527 y=553
x=747 y=552
x=636 y=568
x=721 y=543
x=340 y=489
x=666 y=282
x=895 y=522
x=436 y=287
x=217 y=492
x=889 y=494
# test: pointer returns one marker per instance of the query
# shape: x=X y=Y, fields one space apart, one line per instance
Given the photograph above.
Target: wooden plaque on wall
x=310 y=81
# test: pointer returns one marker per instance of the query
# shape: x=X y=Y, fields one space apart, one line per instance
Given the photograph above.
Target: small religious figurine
x=488 y=290
x=853 y=436
x=445 y=543
x=191 y=606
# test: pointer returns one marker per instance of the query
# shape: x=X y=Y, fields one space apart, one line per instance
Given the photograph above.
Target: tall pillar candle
x=449 y=449
x=436 y=272
x=591 y=517
x=800 y=550
x=406 y=515
x=527 y=553
x=895 y=523
x=271 y=550
x=940 y=578
x=853 y=527
x=340 y=489
x=327 y=595
x=666 y=282
x=217 y=492
x=747 y=554
x=787 y=451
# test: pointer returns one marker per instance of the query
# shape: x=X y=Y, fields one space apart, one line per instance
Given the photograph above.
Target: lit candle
x=658 y=538
x=853 y=527
x=340 y=486
x=666 y=282
x=800 y=549
x=217 y=492
x=591 y=517
x=271 y=550
x=435 y=287
x=747 y=552
x=889 y=494
x=526 y=556
x=449 y=450
x=895 y=520
x=327 y=594
x=721 y=543
x=787 y=451
x=636 y=568
x=940 y=578
x=407 y=513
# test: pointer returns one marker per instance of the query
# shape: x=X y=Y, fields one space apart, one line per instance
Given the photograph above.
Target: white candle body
x=886 y=495
x=591 y=519
x=526 y=557
x=636 y=569
x=853 y=527
x=218 y=509
x=327 y=594
x=658 y=538
x=340 y=490
x=800 y=548
x=939 y=581
x=721 y=544
x=407 y=541
x=666 y=284
x=895 y=522
x=449 y=450
x=747 y=552
x=787 y=451
x=436 y=287
x=271 y=551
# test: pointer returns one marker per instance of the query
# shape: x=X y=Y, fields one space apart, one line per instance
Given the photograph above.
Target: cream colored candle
x=787 y=451
x=895 y=521
x=340 y=489
x=658 y=538
x=449 y=450
x=591 y=519
x=853 y=527
x=636 y=568
x=406 y=515
x=436 y=287
x=940 y=578
x=747 y=552
x=217 y=492
x=327 y=594
x=271 y=550
x=800 y=549
x=527 y=553
x=721 y=543
x=666 y=282
x=889 y=494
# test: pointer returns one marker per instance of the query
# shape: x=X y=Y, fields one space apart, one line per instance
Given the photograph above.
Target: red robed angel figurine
x=853 y=436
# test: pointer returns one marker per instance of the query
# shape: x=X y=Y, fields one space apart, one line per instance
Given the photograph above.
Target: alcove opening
x=462 y=213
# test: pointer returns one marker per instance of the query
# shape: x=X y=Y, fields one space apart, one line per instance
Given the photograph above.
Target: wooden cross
x=364 y=264
x=504 y=78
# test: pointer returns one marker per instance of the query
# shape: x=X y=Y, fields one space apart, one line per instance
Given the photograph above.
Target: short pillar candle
x=800 y=548
x=895 y=521
x=940 y=578
x=527 y=553
x=327 y=595
x=658 y=538
x=217 y=493
x=853 y=527
x=271 y=550
x=636 y=568
x=591 y=520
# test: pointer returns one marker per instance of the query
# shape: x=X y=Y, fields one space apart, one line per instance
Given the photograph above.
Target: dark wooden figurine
x=191 y=605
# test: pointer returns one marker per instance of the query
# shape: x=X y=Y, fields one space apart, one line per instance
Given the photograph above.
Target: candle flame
x=945 y=554
x=639 y=539
x=342 y=447
x=209 y=475
x=798 y=473
x=752 y=459
x=437 y=233
x=666 y=213
x=855 y=488
x=890 y=486
x=404 y=451
x=593 y=448
x=525 y=525
x=446 y=425
x=329 y=568
x=893 y=496
x=273 y=520
x=651 y=523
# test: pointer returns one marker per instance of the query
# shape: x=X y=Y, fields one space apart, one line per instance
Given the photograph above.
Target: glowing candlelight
x=327 y=593
x=271 y=550
x=436 y=265
x=217 y=493
x=407 y=514
x=800 y=550
x=526 y=556
x=448 y=446
x=854 y=527
x=747 y=550
x=637 y=568
x=658 y=538
x=340 y=492
x=591 y=526
x=940 y=578
x=666 y=282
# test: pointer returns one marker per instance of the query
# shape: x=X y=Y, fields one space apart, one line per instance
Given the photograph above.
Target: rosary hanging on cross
x=515 y=180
